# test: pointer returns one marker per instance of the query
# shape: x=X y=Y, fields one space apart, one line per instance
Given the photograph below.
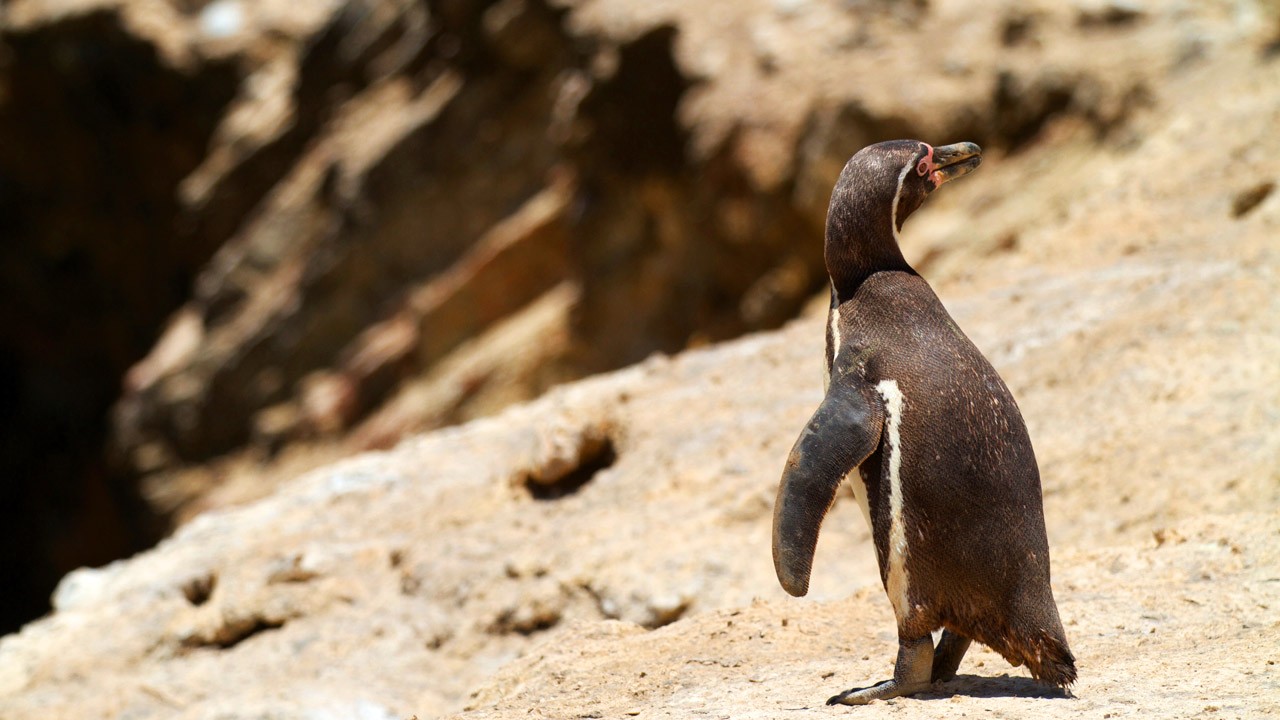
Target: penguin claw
x=910 y=675
x=880 y=691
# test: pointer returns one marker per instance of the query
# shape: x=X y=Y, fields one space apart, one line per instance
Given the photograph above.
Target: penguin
x=931 y=440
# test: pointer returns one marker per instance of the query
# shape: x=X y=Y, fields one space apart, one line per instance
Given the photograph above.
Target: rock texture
x=652 y=166
x=603 y=551
x=331 y=225
x=1134 y=609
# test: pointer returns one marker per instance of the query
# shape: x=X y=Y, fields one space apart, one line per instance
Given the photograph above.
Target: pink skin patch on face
x=925 y=166
x=930 y=169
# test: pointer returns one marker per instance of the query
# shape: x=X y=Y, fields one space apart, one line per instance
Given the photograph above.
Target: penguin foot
x=910 y=675
x=880 y=691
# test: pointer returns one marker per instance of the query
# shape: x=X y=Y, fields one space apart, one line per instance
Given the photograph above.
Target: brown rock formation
x=658 y=169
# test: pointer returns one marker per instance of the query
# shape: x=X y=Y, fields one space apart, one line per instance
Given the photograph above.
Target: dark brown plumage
x=945 y=468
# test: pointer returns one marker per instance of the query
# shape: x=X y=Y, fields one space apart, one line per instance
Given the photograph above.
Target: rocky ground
x=604 y=551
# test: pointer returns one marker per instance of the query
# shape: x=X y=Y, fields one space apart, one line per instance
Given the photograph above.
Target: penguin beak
x=953 y=161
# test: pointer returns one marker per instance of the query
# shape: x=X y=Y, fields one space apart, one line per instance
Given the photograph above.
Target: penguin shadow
x=1001 y=686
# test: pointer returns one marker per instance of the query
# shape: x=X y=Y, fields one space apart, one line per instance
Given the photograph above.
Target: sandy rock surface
x=1180 y=628
x=604 y=550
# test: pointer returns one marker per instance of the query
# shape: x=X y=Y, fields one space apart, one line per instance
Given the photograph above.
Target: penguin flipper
x=843 y=431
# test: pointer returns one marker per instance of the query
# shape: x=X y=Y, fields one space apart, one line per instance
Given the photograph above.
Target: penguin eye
x=922 y=168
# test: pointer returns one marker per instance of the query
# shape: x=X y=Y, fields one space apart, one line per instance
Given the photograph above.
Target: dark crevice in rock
x=232 y=631
x=1108 y=119
x=1022 y=110
x=672 y=243
x=1271 y=50
x=395 y=558
x=1245 y=202
x=595 y=455
x=525 y=624
x=1018 y=29
x=198 y=590
x=632 y=114
x=99 y=129
x=232 y=634
x=1115 y=14
x=667 y=615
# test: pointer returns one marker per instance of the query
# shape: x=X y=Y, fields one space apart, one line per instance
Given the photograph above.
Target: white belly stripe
x=833 y=320
x=854 y=478
x=835 y=334
x=898 y=580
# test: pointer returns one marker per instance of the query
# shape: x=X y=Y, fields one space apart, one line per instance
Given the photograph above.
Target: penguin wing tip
x=796 y=584
x=793 y=561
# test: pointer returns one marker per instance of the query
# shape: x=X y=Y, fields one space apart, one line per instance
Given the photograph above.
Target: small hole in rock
x=198 y=590
x=1016 y=30
x=1007 y=242
x=596 y=454
x=232 y=634
x=1111 y=15
x=1245 y=202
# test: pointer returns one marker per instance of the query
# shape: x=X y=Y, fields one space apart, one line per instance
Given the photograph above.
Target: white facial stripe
x=898 y=580
x=893 y=215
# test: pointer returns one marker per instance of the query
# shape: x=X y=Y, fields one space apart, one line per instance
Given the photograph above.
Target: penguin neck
x=859 y=245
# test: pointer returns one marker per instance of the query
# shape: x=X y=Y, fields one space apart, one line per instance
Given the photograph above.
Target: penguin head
x=878 y=189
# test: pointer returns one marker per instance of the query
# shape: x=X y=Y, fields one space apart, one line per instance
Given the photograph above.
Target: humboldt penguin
x=931 y=441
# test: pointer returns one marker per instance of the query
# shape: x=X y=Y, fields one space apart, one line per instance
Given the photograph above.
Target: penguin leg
x=946 y=658
x=910 y=675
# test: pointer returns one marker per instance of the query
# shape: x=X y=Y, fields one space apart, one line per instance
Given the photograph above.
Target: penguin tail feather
x=1050 y=660
x=1043 y=651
